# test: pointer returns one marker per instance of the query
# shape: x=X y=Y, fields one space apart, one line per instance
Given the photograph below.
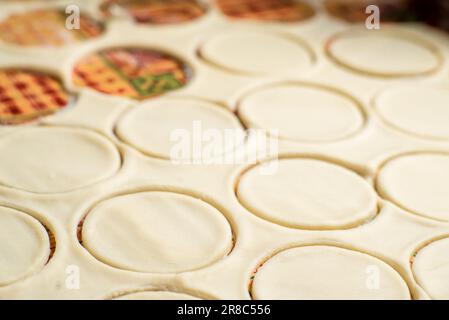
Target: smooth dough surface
x=383 y=53
x=309 y=194
x=302 y=113
x=157 y=295
x=325 y=272
x=256 y=53
x=157 y=128
x=24 y=245
x=52 y=160
x=160 y=232
x=418 y=110
x=431 y=269
x=418 y=183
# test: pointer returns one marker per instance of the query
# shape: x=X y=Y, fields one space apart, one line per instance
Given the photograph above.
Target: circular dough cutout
x=257 y=53
x=152 y=12
x=159 y=232
x=53 y=160
x=327 y=273
x=417 y=110
x=156 y=295
x=418 y=183
x=308 y=194
x=47 y=27
x=384 y=53
x=161 y=127
x=24 y=245
x=431 y=269
x=131 y=72
x=302 y=112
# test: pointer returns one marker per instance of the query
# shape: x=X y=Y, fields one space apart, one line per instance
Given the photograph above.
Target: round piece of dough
x=302 y=113
x=24 y=245
x=308 y=194
x=257 y=53
x=51 y=160
x=418 y=110
x=384 y=53
x=160 y=232
x=431 y=269
x=327 y=273
x=418 y=183
x=157 y=295
x=169 y=128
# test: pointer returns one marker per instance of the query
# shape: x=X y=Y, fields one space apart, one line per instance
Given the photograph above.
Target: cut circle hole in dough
x=54 y=160
x=384 y=53
x=24 y=245
x=308 y=194
x=302 y=112
x=417 y=110
x=159 y=128
x=431 y=269
x=156 y=295
x=418 y=183
x=327 y=273
x=251 y=52
x=133 y=72
x=157 y=232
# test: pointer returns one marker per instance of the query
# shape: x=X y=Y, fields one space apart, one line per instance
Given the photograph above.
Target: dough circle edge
x=102 y=143
x=386 y=191
x=42 y=235
x=415 y=39
x=353 y=103
x=369 y=213
x=221 y=252
x=349 y=252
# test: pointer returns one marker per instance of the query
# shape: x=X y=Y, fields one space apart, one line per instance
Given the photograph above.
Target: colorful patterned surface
x=131 y=72
x=26 y=96
x=266 y=10
x=46 y=27
x=155 y=11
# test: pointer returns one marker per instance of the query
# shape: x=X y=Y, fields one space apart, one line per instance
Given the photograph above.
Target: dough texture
x=383 y=53
x=253 y=52
x=324 y=272
x=418 y=183
x=156 y=128
x=24 y=245
x=157 y=295
x=159 y=232
x=294 y=195
x=302 y=112
x=53 y=160
x=418 y=110
x=431 y=269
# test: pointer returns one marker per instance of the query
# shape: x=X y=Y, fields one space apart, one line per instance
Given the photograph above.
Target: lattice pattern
x=26 y=96
x=131 y=72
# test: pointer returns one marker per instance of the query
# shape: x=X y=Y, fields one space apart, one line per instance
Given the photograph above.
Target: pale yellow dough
x=418 y=183
x=156 y=128
x=383 y=53
x=325 y=272
x=418 y=110
x=309 y=194
x=53 y=160
x=170 y=232
x=157 y=295
x=24 y=245
x=257 y=53
x=302 y=112
x=431 y=269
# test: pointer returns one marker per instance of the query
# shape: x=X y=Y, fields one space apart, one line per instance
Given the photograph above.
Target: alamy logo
x=72 y=22
x=372 y=22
